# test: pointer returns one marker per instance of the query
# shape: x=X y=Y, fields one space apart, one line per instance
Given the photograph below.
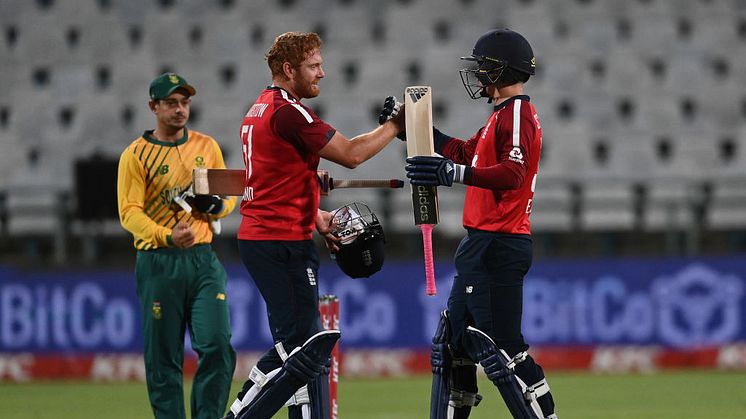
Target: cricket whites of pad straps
x=271 y=391
x=521 y=399
x=453 y=378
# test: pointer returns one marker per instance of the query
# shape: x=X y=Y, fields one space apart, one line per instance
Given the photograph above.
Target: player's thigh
x=161 y=288
x=210 y=316
x=286 y=275
x=507 y=259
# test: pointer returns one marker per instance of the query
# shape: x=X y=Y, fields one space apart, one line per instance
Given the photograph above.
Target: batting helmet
x=361 y=251
x=494 y=52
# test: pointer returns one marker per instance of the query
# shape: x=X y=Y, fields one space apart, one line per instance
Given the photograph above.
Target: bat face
x=418 y=104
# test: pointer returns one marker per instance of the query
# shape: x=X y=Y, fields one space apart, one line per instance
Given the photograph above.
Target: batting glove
x=206 y=204
x=391 y=108
x=434 y=171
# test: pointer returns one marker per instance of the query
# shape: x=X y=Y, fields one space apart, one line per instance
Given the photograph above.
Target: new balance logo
x=416 y=93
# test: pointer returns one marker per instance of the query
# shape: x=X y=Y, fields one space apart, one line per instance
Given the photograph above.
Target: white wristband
x=458 y=175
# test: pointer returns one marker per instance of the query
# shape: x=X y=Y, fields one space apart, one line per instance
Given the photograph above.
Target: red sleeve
x=299 y=126
x=459 y=151
x=515 y=150
x=501 y=176
x=513 y=159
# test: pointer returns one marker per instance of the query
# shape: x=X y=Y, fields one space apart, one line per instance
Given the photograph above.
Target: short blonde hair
x=293 y=48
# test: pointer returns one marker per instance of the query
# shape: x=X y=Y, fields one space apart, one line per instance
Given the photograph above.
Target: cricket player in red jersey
x=283 y=141
x=499 y=165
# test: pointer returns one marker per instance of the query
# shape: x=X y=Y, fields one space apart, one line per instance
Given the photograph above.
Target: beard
x=309 y=90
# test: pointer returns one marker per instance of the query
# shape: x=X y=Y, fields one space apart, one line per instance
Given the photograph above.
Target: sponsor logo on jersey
x=516 y=155
x=199 y=161
x=162 y=170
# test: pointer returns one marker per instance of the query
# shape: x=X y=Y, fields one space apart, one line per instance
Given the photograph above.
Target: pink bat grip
x=427 y=242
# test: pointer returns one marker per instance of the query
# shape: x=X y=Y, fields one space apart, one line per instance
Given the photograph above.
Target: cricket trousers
x=180 y=290
x=285 y=272
x=487 y=293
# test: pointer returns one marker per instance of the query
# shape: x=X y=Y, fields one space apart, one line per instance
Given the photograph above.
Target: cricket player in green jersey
x=181 y=283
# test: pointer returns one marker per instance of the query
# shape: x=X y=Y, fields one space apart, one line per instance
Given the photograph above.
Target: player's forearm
x=365 y=146
x=459 y=151
x=141 y=226
x=440 y=140
x=500 y=177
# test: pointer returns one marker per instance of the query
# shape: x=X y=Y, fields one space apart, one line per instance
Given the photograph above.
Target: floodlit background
x=639 y=218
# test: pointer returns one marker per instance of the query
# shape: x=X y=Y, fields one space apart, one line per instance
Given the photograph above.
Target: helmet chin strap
x=484 y=93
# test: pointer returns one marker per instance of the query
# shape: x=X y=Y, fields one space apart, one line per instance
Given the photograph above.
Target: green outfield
x=700 y=394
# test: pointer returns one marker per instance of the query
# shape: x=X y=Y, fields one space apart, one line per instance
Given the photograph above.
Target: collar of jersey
x=290 y=96
x=148 y=136
x=504 y=104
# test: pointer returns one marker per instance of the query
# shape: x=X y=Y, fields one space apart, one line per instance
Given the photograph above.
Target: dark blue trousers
x=487 y=292
x=285 y=272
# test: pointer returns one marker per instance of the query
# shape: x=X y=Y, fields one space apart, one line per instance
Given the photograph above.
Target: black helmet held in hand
x=501 y=56
x=361 y=248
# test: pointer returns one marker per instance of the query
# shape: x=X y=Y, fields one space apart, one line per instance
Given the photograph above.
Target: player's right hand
x=392 y=109
x=431 y=171
x=182 y=235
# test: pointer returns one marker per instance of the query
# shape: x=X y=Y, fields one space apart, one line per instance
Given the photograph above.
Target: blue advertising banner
x=679 y=303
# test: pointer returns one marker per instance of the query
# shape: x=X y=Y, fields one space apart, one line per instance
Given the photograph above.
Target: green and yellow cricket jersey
x=151 y=174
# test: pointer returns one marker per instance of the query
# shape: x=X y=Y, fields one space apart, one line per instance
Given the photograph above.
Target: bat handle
x=427 y=242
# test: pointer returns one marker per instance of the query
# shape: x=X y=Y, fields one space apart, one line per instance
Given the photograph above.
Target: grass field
x=699 y=394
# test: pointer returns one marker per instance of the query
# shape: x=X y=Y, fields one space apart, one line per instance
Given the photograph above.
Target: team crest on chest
x=157 y=314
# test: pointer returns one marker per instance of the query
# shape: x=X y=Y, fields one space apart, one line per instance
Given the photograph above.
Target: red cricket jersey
x=281 y=139
x=512 y=134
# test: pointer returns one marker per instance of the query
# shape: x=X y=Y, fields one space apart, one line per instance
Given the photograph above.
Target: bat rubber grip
x=427 y=243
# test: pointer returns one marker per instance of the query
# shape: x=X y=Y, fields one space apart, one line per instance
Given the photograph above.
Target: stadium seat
x=607 y=206
x=727 y=205
x=553 y=207
x=638 y=131
x=670 y=204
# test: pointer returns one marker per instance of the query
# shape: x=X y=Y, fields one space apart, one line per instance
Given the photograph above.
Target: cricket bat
x=232 y=182
x=418 y=104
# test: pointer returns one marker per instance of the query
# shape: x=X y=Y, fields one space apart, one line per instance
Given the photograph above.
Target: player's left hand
x=392 y=109
x=206 y=204
x=431 y=171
